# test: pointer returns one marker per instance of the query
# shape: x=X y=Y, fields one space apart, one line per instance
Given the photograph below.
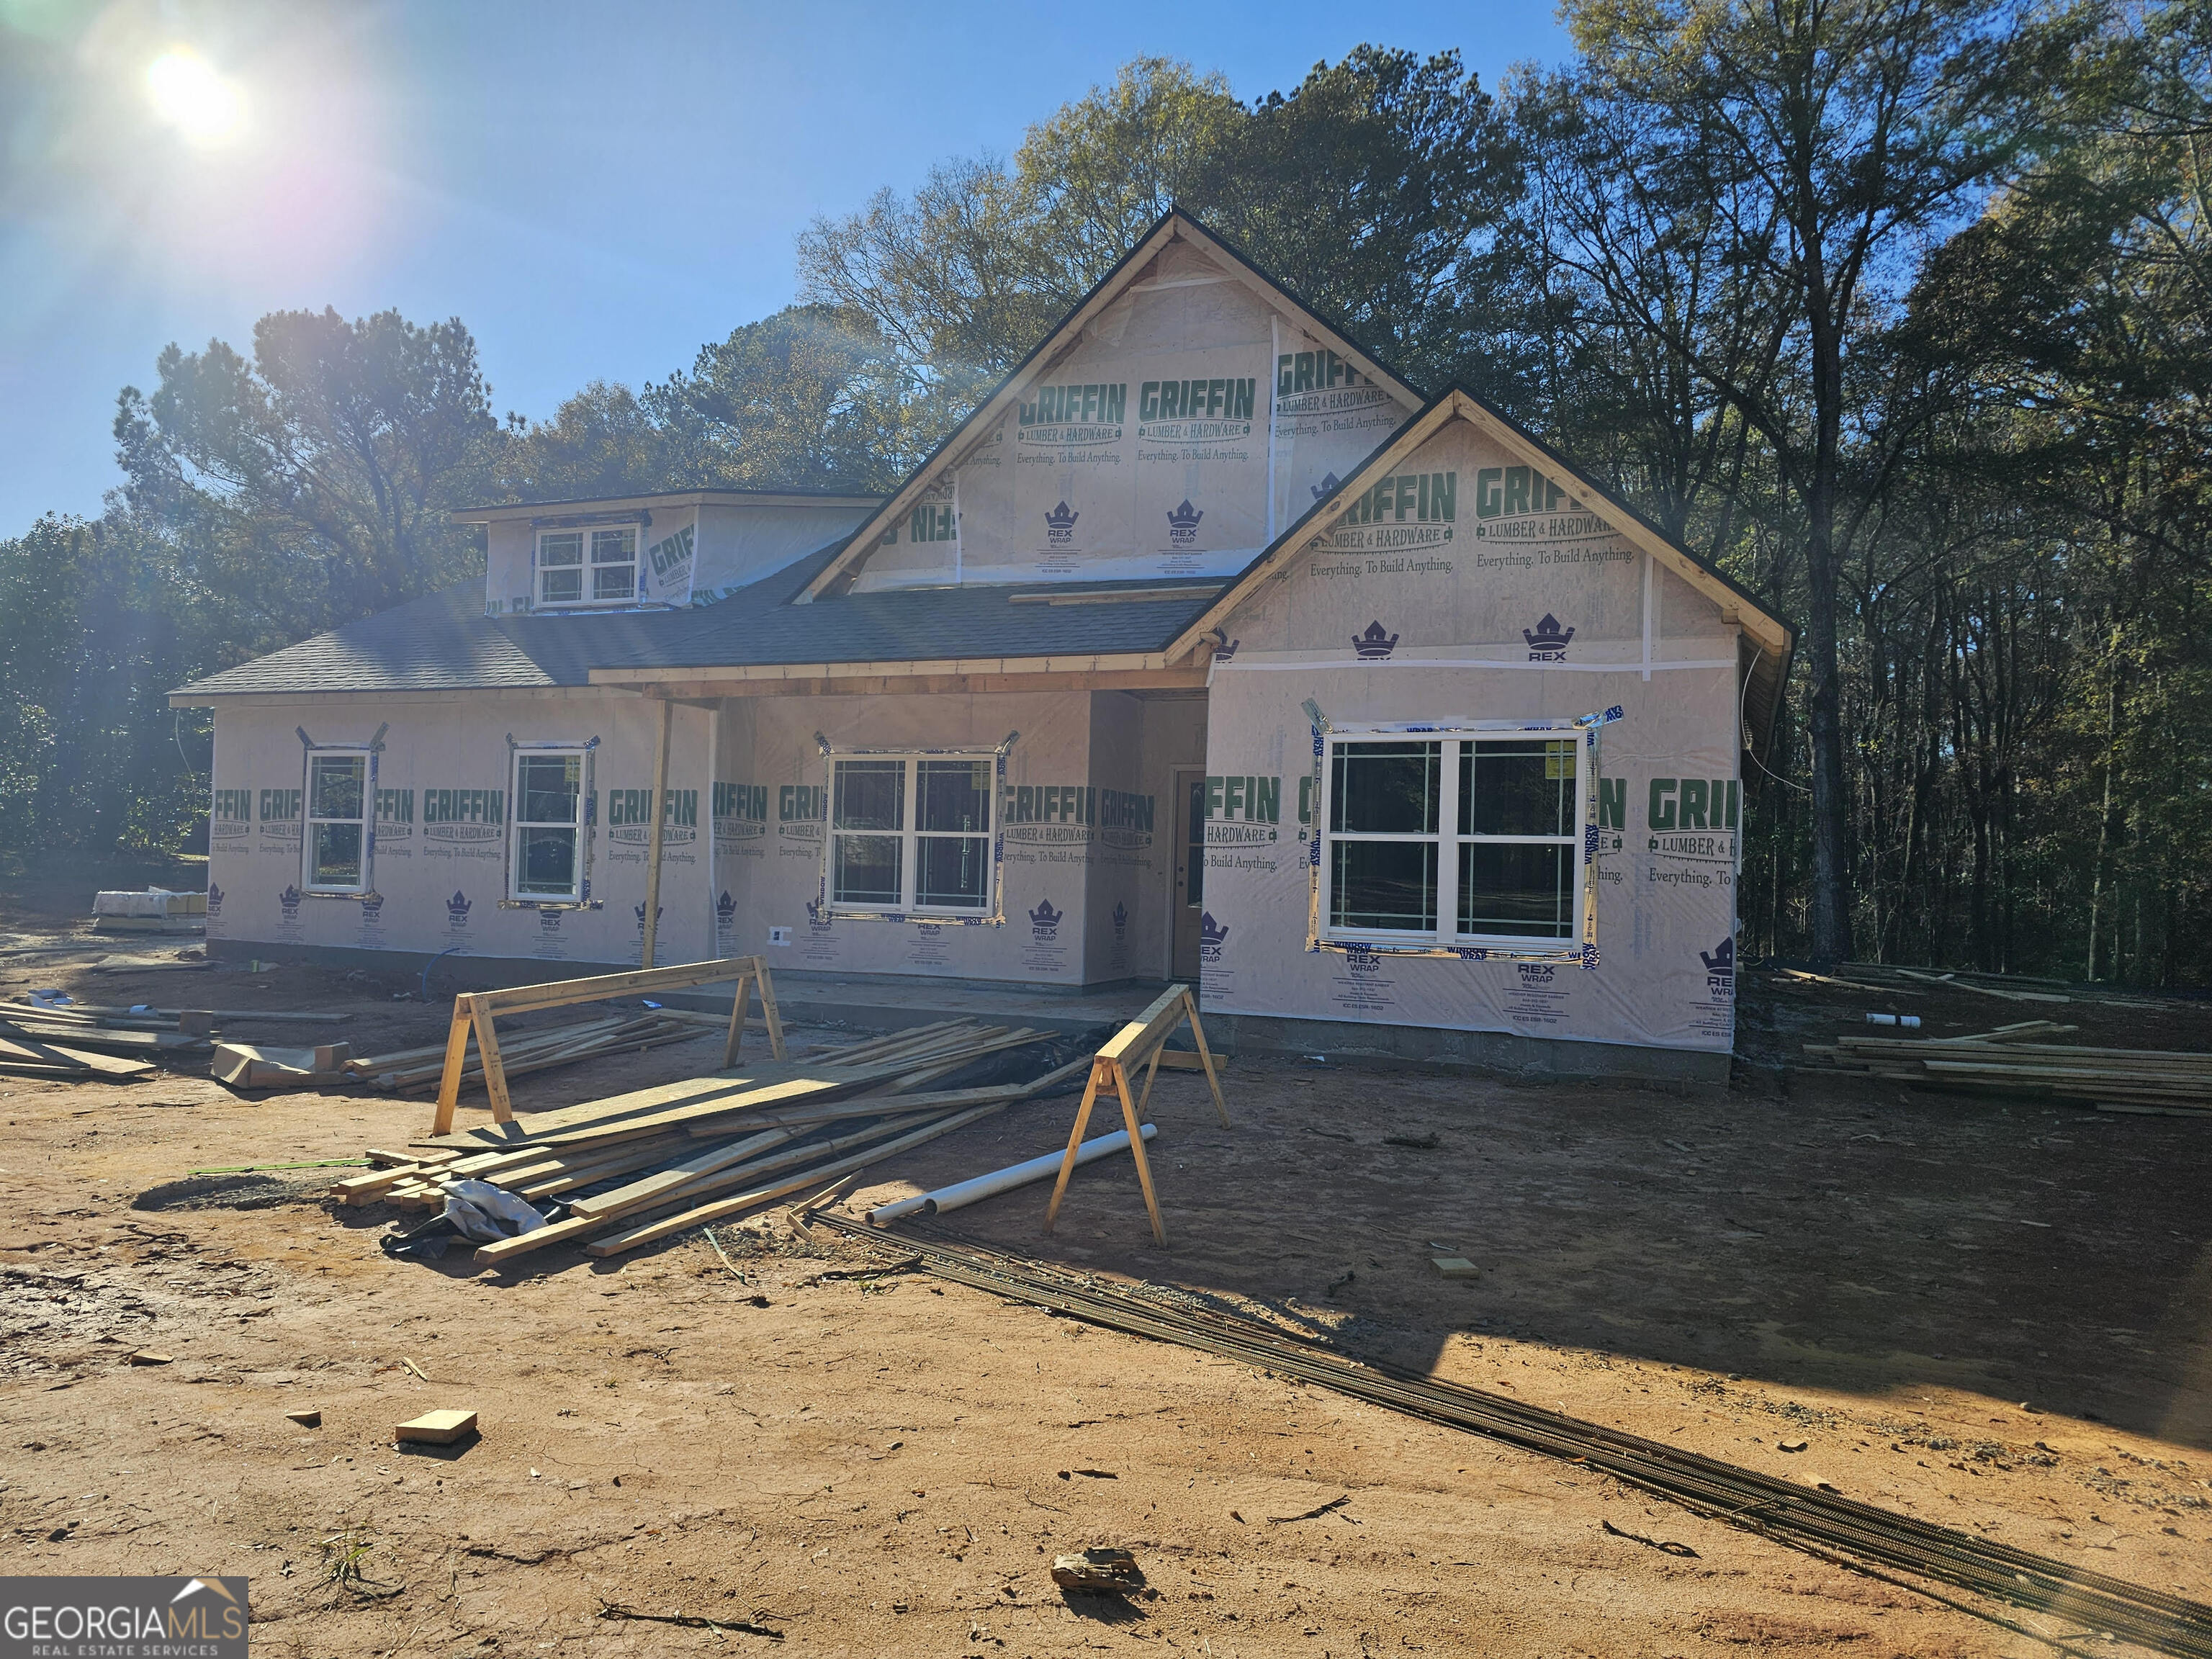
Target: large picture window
x=587 y=567
x=546 y=861
x=912 y=833
x=1452 y=839
x=335 y=838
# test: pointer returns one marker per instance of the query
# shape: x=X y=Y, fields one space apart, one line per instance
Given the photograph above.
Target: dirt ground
x=1997 y=1316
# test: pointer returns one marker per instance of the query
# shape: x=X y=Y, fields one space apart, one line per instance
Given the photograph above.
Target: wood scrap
x=256 y=1066
x=24 y=1057
x=1984 y=990
x=1801 y=976
x=140 y=1044
x=437 y=1428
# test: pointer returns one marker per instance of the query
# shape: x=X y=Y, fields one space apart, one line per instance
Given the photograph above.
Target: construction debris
x=196 y=958
x=111 y=1030
x=2143 y=1080
x=1100 y=1569
x=256 y=1066
x=437 y=1428
x=25 y=1056
x=638 y=1167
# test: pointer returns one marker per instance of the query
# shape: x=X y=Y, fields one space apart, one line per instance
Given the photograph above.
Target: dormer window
x=587 y=567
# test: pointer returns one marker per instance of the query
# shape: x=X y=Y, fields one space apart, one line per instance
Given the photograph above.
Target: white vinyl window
x=546 y=860
x=912 y=833
x=1468 y=838
x=335 y=839
x=587 y=567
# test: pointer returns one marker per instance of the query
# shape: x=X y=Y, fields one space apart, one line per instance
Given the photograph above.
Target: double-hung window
x=334 y=847
x=587 y=567
x=546 y=861
x=912 y=833
x=1461 y=839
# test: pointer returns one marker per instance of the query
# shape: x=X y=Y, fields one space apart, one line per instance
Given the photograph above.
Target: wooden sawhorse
x=1140 y=1042
x=473 y=1011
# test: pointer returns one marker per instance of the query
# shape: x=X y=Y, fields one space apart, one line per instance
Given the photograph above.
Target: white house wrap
x=1207 y=647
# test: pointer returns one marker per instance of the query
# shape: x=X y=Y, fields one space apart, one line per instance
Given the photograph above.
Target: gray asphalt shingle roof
x=444 y=641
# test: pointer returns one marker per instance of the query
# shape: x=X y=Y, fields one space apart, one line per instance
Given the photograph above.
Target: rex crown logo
x=1547 y=640
x=1326 y=487
x=1375 y=643
x=725 y=907
x=458 y=908
x=1211 y=934
x=1044 y=919
x=1182 y=522
x=1060 y=521
x=1720 y=965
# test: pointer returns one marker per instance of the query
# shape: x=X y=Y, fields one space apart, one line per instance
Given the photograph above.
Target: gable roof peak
x=1177 y=223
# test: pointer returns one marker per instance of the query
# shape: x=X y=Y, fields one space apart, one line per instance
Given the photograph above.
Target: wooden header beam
x=876 y=685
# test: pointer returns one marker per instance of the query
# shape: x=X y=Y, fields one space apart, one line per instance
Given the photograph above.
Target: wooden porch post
x=659 y=810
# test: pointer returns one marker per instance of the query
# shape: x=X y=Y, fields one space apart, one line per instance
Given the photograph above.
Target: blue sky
x=595 y=190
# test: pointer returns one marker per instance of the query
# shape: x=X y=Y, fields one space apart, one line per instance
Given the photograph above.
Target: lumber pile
x=635 y=1167
x=156 y=910
x=563 y=1044
x=2156 y=1081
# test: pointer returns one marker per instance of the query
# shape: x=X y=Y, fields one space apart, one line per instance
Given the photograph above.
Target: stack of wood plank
x=535 y=1051
x=74 y=1043
x=2157 y=1081
x=642 y=1166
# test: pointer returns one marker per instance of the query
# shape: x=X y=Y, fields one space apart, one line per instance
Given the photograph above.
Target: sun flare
x=190 y=95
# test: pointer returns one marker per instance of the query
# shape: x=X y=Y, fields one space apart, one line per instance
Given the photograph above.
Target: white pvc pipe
x=964 y=1192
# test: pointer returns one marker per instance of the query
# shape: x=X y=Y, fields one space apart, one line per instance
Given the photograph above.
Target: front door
x=1190 y=871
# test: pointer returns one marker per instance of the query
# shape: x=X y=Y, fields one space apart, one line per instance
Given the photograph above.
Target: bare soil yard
x=1998 y=1316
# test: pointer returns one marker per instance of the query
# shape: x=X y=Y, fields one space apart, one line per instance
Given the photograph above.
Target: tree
x=339 y=451
x=812 y=397
x=600 y=441
x=1861 y=124
x=1374 y=188
x=2071 y=322
x=1097 y=173
x=943 y=276
x=95 y=626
